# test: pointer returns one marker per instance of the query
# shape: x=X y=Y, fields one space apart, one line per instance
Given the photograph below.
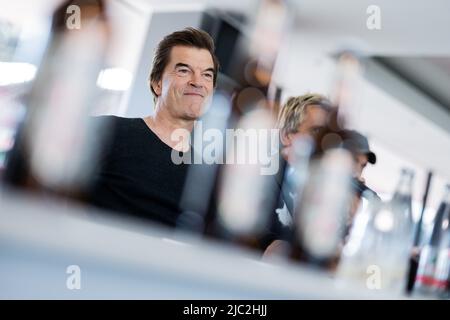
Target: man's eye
x=208 y=75
x=183 y=71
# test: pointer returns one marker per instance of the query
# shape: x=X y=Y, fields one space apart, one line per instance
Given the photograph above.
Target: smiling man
x=136 y=174
x=182 y=82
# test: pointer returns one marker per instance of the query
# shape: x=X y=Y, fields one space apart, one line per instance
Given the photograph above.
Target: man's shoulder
x=117 y=123
x=114 y=119
x=119 y=131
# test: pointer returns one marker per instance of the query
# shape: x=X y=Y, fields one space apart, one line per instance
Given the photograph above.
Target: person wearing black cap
x=358 y=145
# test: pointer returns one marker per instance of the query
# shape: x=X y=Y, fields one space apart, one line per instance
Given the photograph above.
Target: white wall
x=399 y=128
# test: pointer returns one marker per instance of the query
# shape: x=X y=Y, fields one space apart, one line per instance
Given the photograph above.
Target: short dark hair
x=188 y=37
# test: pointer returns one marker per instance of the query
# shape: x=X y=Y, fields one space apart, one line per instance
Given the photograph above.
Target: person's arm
x=278 y=248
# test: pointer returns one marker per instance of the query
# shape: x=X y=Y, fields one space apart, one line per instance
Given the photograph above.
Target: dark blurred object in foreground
x=57 y=144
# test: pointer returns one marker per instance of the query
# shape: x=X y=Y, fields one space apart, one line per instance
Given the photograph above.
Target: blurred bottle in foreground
x=198 y=198
x=247 y=193
x=246 y=189
x=377 y=253
x=57 y=143
x=432 y=273
x=322 y=210
x=402 y=204
x=442 y=275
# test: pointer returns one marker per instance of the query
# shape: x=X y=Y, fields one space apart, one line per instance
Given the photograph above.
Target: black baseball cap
x=355 y=142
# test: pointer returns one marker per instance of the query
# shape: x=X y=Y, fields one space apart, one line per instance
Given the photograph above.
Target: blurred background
x=402 y=92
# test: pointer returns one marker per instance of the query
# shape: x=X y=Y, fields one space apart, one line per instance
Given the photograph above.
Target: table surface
x=124 y=259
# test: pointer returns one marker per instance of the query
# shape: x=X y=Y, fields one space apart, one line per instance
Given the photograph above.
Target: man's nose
x=196 y=80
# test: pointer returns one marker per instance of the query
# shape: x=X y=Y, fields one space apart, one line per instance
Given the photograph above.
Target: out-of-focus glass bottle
x=247 y=192
x=401 y=203
x=442 y=274
x=377 y=253
x=56 y=148
x=322 y=209
x=430 y=279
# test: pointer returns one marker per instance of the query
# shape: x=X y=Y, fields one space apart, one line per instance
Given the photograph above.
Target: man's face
x=314 y=120
x=360 y=163
x=187 y=82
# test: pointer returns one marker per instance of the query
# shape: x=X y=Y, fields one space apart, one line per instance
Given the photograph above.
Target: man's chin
x=191 y=116
x=188 y=117
x=195 y=113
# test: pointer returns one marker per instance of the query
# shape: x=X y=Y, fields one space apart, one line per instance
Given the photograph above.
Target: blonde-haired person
x=301 y=115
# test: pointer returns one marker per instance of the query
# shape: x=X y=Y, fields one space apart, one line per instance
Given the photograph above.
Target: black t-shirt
x=136 y=174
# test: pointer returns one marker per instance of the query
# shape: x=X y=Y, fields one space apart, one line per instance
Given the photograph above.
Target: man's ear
x=156 y=86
